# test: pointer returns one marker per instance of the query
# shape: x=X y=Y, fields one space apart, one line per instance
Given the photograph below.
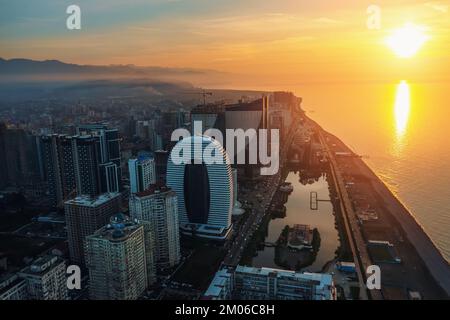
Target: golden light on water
x=407 y=41
x=402 y=108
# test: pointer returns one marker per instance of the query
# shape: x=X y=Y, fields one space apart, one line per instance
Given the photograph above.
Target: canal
x=298 y=212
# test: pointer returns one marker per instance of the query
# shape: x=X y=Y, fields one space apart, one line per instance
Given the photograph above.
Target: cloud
x=437 y=6
x=325 y=20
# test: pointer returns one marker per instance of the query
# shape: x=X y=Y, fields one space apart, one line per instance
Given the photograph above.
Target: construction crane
x=203 y=93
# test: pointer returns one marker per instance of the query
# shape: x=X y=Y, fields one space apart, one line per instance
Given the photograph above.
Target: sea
x=402 y=131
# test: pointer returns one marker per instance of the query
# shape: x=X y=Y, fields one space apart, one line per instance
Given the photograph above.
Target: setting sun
x=407 y=41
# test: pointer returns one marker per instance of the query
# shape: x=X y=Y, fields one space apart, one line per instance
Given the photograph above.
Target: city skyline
x=224 y=150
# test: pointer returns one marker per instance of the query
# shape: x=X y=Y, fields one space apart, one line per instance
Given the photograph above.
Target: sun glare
x=407 y=41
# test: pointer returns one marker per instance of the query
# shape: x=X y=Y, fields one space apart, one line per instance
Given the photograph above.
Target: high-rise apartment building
x=86 y=157
x=116 y=257
x=161 y=157
x=85 y=164
x=142 y=173
x=58 y=165
x=157 y=209
x=46 y=279
x=18 y=157
x=85 y=215
x=108 y=139
x=204 y=189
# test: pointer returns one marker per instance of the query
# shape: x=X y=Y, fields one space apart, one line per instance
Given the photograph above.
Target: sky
x=265 y=42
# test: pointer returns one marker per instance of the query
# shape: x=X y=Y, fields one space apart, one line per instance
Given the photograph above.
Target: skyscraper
x=85 y=215
x=88 y=164
x=86 y=157
x=117 y=261
x=109 y=177
x=109 y=155
x=204 y=190
x=109 y=141
x=142 y=173
x=18 y=157
x=161 y=157
x=58 y=165
x=157 y=208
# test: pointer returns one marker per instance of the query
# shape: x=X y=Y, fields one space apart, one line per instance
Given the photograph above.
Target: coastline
x=427 y=250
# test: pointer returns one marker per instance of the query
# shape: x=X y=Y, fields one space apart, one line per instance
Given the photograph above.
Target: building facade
x=249 y=283
x=117 y=261
x=58 y=165
x=12 y=287
x=142 y=173
x=204 y=190
x=85 y=215
x=46 y=279
x=85 y=164
x=157 y=209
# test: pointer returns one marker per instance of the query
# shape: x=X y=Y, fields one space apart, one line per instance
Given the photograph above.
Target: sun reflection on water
x=401 y=115
x=402 y=108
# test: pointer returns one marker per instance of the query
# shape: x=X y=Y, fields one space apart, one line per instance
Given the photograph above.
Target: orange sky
x=286 y=44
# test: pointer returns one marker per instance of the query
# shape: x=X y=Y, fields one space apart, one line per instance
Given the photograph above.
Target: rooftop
x=154 y=189
x=218 y=284
x=8 y=281
x=88 y=201
x=119 y=228
x=42 y=265
x=255 y=105
x=210 y=108
x=322 y=278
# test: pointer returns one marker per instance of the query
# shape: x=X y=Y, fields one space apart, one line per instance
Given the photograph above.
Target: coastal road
x=437 y=265
x=356 y=241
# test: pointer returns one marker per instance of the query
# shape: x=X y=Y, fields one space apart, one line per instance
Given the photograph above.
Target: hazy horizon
x=275 y=43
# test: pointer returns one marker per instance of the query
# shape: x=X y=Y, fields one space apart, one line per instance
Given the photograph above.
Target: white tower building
x=204 y=188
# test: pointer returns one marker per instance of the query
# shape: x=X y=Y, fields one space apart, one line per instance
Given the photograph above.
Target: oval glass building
x=204 y=187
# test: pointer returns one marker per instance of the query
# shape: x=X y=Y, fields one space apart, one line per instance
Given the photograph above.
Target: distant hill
x=25 y=79
x=50 y=69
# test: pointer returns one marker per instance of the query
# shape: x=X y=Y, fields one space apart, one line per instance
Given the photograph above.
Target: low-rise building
x=12 y=287
x=250 y=283
x=46 y=278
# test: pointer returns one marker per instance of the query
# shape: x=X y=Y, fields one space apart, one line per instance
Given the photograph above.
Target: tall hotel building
x=157 y=209
x=204 y=190
x=85 y=215
x=142 y=173
x=117 y=262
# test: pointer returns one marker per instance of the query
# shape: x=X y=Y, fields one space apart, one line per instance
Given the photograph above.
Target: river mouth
x=299 y=211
